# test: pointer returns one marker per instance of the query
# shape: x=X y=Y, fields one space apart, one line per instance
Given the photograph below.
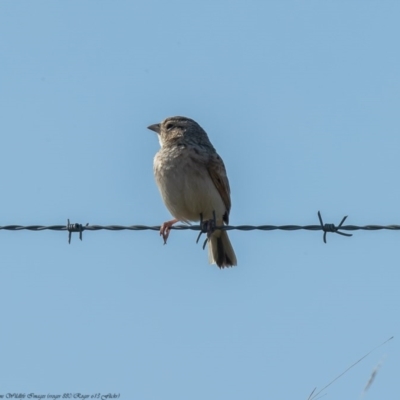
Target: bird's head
x=183 y=130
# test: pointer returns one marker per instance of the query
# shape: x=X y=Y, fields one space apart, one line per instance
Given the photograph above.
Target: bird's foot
x=165 y=229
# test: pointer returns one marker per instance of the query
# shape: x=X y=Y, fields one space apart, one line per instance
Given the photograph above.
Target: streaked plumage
x=192 y=180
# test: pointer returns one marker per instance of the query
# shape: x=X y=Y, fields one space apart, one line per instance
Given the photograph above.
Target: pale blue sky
x=300 y=98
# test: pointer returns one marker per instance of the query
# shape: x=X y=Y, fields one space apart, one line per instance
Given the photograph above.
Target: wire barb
x=74 y=228
x=208 y=227
x=332 y=228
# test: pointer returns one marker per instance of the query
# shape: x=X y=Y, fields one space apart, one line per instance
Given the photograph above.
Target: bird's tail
x=220 y=250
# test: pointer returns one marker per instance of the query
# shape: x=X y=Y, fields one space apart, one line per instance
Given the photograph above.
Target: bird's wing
x=216 y=169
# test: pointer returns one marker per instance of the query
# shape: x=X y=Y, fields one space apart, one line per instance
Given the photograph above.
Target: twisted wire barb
x=321 y=227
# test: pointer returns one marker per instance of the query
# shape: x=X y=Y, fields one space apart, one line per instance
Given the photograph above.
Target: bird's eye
x=169 y=126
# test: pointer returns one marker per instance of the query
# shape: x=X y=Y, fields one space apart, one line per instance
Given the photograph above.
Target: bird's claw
x=166 y=228
x=164 y=232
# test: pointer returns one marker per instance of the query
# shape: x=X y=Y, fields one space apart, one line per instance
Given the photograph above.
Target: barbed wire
x=326 y=228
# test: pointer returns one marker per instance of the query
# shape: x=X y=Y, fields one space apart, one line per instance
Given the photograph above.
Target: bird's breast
x=185 y=185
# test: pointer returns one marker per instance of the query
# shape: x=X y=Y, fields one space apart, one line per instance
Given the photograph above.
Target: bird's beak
x=155 y=128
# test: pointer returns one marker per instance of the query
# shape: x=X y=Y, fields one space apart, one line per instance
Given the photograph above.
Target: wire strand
x=326 y=228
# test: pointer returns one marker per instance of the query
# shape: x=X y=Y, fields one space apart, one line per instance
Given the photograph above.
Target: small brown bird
x=192 y=180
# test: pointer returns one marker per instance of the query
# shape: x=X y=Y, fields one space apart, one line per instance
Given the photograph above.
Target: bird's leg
x=212 y=223
x=165 y=228
x=203 y=227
